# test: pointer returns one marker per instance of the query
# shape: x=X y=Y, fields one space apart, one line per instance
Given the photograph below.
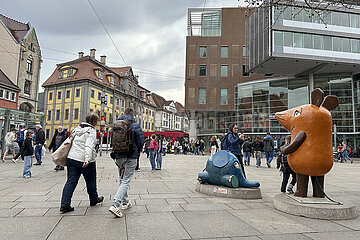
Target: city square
x=166 y=205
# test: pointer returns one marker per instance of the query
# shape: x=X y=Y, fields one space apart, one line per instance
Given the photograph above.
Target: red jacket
x=154 y=145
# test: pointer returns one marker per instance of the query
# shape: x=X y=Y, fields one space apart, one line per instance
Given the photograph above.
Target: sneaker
x=56 y=169
x=14 y=160
x=268 y=164
x=38 y=163
x=99 y=200
x=27 y=176
x=138 y=170
x=65 y=209
x=126 y=206
x=4 y=160
x=116 y=211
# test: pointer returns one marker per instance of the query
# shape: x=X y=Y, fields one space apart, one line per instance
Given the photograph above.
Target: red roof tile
x=17 y=29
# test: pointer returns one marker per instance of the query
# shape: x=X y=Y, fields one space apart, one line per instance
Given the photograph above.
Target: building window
x=203 y=53
x=27 y=87
x=298 y=40
x=76 y=113
x=67 y=93
x=117 y=102
x=100 y=75
x=202 y=70
x=224 y=70
x=211 y=24
x=111 y=100
x=59 y=95
x=92 y=93
x=244 y=51
x=1 y=93
x=29 y=65
x=66 y=114
x=47 y=133
x=245 y=72
x=99 y=96
x=50 y=96
x=49 y=115
x=7 y=95
x=13 y=96
x=57 y=115
x=224 y=51
x=77 y=92
x=223 y=96
x=202 y=96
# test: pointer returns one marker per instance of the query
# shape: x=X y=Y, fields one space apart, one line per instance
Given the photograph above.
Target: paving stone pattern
x=165 y=205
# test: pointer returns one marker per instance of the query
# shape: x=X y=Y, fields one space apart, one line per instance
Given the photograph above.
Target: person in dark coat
x=258 y=147
x=58 y=138
x=39 y=143
x=269 y=149
x=247 y=148
x=285 y=168
x=235 y=143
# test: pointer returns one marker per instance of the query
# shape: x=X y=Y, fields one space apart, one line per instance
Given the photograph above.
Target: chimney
x=92 y=52
x=103 y=59
x=81 y=54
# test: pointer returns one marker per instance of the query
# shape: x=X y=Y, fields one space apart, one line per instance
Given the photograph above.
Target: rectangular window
x=318 y=42
x=297 y=14
x=354 y=20
x=67 y=93
x=111 y=100
x=223 y=96
x=355 y=45
x=346 y=45
x=49 y=115
x=1 y=93
x=327 y=43
x=245 y=73
x=336 y=18
x=308 y=41
x=99 y=96
x=202 y=70
x=288 y=39
x=202 y=96
x=59 y=95
x=47 y=133
x=224 y=52
x=67 y=114
x=13 y=96
x=337 y=44
x=278 y=41
x=27 y=87
x=244 y=51
x=29 y=64
x=57 y=115
x=7 y=95
x=50 y=96
x=77 y=92
x=92 y=93
x=203 y=53
x=287 y=12
x=224 y=70
x=76 y=113
x=298 y=40
x=345 y=19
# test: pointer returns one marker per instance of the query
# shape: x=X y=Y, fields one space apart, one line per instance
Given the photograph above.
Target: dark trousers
x=286 y=176
x=240 y=158
x=74 y=170
x=21 y=146
x=137 y=163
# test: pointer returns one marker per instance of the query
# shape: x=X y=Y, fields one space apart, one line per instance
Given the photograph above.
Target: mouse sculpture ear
x=317 y=97
x=330 y=102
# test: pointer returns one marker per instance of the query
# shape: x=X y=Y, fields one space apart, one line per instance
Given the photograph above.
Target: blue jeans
x=158 y=160
x=152 y=159
x=74 y=170
x=258 y=157
x=126 y=169
x=247 y=157
x=269 y=156
x=38 y=153
x=346 y=155
x=197 y=152
x=27 y=166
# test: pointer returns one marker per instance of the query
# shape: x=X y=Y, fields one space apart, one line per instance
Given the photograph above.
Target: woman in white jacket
x=81 y=160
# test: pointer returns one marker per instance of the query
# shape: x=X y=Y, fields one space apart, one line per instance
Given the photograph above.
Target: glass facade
x=257 y=102
x=211 y=24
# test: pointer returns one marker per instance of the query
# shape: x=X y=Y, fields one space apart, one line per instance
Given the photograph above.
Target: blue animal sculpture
x=224 y=169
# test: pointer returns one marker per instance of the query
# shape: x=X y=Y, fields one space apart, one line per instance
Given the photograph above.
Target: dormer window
x=67 y=71
x=99 y=72
x=111 y=78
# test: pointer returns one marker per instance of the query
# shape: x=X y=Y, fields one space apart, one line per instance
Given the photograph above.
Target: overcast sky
x=150 y=34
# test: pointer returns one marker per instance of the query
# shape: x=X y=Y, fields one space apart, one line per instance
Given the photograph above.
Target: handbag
x=60 y=155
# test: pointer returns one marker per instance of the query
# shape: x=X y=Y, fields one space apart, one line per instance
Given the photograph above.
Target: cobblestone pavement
x=166 y=205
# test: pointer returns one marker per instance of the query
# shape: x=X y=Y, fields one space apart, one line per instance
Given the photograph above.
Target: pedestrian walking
x=282 y=163
x=39 y=143
x=218 y=143
x=213 y=145
x=59 y=137
x=28 y=153
x=185 y=147
x=159 y=152
x=20 y=138
x=234 y=142
x=176 y=146
x=126 y=162
x=165 y=145
x=9 y=143
x=81 y=161
x=202 y=147
x=247 y=148
x=345 y=154
x=269 y=149
x=146 y=146
x=153 y=149
x=258 y=148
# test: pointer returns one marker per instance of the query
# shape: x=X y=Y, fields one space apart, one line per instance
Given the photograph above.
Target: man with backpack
x=20 y=138
x=127 y=142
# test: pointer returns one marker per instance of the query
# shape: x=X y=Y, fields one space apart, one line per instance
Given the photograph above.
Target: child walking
x=28 y=152
x=285 y=168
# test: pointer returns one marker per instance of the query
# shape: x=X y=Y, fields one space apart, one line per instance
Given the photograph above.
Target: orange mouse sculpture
x=310 y=151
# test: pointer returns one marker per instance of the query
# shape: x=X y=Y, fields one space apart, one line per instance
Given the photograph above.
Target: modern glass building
x=256 y=103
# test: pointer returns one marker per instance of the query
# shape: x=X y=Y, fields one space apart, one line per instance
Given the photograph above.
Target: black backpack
x=121 y=138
